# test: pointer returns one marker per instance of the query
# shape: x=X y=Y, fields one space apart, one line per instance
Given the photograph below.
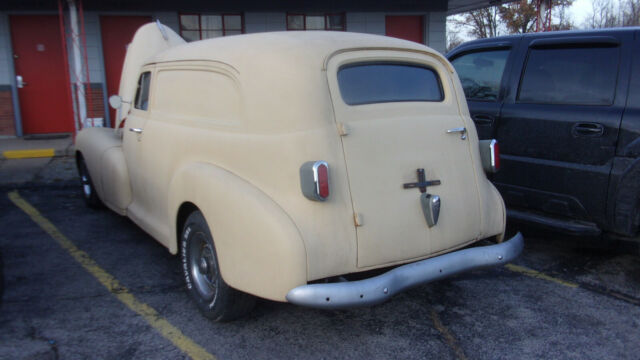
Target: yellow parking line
x=451 y=340
x=154 y=319
x=33 y=153
x=538 y=275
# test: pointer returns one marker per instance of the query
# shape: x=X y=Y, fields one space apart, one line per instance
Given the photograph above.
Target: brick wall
x=95 y=102
x=7 y=122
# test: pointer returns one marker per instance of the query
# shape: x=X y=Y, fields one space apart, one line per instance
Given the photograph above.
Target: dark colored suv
x=565 y=109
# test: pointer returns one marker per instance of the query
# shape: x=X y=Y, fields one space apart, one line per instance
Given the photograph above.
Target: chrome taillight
x=490 y=154
x=314 y=180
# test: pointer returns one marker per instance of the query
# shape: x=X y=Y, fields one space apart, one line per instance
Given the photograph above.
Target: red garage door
x=117 y=32
x=45 y=104
x=405 y=27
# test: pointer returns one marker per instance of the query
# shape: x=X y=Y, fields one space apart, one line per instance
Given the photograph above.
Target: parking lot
x=83 y=283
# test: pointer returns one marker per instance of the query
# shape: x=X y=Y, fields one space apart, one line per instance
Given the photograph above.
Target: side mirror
x=115 y=101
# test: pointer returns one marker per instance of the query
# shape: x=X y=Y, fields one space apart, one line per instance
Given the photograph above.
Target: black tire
x=88 y=189
x=214 y=298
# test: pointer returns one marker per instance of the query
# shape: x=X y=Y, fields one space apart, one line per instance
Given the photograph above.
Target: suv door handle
x=588 y=129
x=483 y=119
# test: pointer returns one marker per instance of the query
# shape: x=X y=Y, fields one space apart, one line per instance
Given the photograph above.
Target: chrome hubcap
x=202 y=266
x=86 y=187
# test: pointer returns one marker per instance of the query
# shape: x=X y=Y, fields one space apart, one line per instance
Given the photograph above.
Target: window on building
x=481 y=73
x=368 y=83
x=320 y=21
x=580 y=76
x=142 y=92
x=198 y=27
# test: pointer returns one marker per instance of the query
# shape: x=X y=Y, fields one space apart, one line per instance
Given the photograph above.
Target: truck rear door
x=394 y=109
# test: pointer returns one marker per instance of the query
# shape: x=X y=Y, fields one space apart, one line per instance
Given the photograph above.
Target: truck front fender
x=260 y=250
x=101 y=149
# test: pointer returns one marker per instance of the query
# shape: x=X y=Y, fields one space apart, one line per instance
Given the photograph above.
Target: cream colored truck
x=277 y=164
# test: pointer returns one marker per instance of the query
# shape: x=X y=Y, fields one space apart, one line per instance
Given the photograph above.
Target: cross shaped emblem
x=422 y=182
x=430 y=203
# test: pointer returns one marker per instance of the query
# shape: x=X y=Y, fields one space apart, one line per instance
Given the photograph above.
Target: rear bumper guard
x=379 y=289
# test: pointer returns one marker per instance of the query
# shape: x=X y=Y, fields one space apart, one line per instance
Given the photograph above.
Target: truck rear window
x=369 y=83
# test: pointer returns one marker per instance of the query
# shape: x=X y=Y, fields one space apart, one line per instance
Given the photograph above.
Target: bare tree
x=608 y=13
x=562 y=21
x=519 y=17
x=603 y=15
x=631 y=13
x=453 y=37
x=481 y=23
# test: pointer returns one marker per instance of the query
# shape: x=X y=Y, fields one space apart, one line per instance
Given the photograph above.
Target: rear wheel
x=214 y=298
x=88 y=189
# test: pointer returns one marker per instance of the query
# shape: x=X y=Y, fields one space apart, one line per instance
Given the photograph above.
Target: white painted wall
x=437 y=31
x=261 y=22
x=366 y=22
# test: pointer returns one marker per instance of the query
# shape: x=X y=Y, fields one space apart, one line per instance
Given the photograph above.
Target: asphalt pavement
x=559 y=300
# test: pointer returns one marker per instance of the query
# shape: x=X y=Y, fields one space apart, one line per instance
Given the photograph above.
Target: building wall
x=262 y=22
x=368 y=23
x=7 y=113
x=363 y=22
x=437 y=31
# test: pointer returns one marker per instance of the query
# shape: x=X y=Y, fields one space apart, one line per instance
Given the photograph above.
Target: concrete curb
x=36 y=153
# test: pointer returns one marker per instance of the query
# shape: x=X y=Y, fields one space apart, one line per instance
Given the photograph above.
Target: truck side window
x=481 y=73
x=142 y=93
x=578 y=76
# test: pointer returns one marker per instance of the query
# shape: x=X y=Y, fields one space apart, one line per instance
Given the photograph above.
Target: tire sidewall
x=91 y=199
x=209 y=307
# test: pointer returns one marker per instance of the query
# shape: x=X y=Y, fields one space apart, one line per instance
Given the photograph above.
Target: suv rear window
x=579 y=76
x=371 y=83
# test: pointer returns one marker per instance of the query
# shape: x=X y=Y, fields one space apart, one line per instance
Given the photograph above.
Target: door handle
x=136 y=130
x=483 y=119
x=20 y=83
x=588 y=129
x=461 y=130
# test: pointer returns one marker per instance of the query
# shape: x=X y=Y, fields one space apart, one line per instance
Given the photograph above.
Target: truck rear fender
x=260 y=250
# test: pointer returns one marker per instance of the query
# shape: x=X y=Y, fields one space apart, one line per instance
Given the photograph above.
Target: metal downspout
x=77 y=64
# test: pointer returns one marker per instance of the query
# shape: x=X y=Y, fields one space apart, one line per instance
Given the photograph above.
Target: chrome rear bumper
x=378 y=289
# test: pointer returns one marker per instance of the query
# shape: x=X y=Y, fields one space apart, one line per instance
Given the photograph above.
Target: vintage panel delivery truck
x=279 y=164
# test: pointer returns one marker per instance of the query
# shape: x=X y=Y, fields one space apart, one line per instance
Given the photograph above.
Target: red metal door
x=405 y=27
x=45 y=103
x=117 y=32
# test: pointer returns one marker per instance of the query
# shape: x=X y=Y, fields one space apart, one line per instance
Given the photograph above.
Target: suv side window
x=142 y=93
x=576 y=76
x=481 y=73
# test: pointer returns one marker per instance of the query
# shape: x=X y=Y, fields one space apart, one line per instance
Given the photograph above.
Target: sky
x=579 y=10
x=578 y=13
